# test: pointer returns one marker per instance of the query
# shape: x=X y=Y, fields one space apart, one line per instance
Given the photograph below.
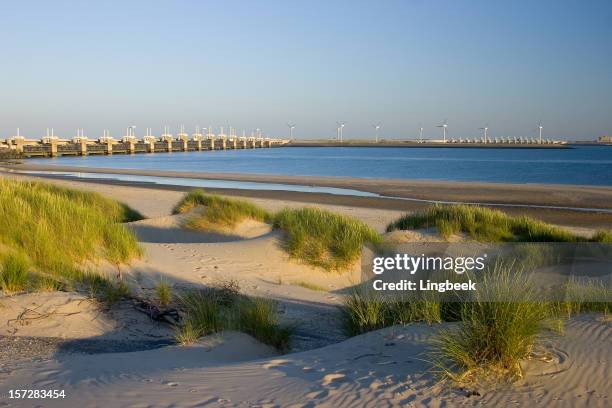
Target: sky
x=261 y=64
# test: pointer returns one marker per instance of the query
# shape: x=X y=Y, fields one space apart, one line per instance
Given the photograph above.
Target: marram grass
x=488 y=225
x=58 y=230
x=322 y=238
x=314 y=236
x=499 y=327
x=213 y=310
x=218 y=212
x=163 y=292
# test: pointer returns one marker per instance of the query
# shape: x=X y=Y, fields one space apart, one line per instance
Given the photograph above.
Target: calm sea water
x=588 y=165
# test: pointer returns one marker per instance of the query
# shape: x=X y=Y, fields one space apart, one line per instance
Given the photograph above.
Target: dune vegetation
x=322 y=238
x=488 y=225
x=51 y=235
x=499 y=325
x=314 y=236
x=496 y=326
x=218 y=212
x=220 y=308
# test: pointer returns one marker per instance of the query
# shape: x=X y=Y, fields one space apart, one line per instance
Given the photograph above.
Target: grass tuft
x=498 y=329
x=488 y=225
x=14 y=273
x=61 y=229
x=164 y=293
x=218 y=212
x=364 y=311
x=324 y=239
x=202 y=316
x=212 y=310
x=258 y=317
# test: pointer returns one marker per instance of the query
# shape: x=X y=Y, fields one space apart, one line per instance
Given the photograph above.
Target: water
x=248 y=185
x=586 y=165
x=205 y=183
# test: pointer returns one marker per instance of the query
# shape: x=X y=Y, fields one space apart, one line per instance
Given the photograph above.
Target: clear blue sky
x=252 y=64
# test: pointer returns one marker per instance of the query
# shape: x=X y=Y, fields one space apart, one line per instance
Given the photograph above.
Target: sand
x=404 y=191
x=384 y=368
x=72 y=316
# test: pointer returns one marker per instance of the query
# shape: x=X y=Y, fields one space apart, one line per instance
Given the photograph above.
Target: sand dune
x=383 y=368
x=73 y=316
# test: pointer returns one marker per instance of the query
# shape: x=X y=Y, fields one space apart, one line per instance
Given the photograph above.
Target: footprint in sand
x=274 y=363
x=333 y=378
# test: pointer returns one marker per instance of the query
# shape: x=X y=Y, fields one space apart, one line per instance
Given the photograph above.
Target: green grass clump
x=14 y=272
x=322 y=238
x=202 y=316
x=164 y=293
x=585 y=296
x=103 y=289
x=258 y=317
x=212 y=310
x=62 y=229
x=498 y=329
x=364 y=311
x=603 y=236
x=219 y=212
x=487 y=225
x=45 y=283
x=317 y=237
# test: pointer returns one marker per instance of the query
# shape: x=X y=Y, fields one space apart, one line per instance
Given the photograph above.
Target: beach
x=83 y=349
x=399 y=195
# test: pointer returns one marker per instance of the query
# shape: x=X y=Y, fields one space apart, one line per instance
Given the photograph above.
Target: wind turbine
x=291 y=127
x=485 y=129
x=376 y=127
x=340 y=128
x=421 y=134
x=444 y=125
x=540 y=127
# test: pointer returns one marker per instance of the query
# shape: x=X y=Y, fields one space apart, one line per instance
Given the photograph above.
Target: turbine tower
x=421 y=134
x=340 y=128
x=377 y=127
x=444 y=125
x=540 y=127
x=485 y=129
x=291 y=127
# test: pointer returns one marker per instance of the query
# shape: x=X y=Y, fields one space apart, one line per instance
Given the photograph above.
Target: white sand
x=73 y=316
x=383 y=368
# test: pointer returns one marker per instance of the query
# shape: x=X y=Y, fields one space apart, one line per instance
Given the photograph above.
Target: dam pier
x=53 y=146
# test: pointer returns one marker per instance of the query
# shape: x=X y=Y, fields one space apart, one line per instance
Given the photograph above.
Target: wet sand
x=395 y=192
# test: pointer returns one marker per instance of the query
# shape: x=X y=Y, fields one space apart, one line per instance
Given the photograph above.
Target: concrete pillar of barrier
x=83 y=148
x=19 y=145
x=184 y=141
x=109 y=147
x=53 y=144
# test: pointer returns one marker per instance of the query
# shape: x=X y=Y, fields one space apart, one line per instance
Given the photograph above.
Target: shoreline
x=427 y=145
x=394 y=194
